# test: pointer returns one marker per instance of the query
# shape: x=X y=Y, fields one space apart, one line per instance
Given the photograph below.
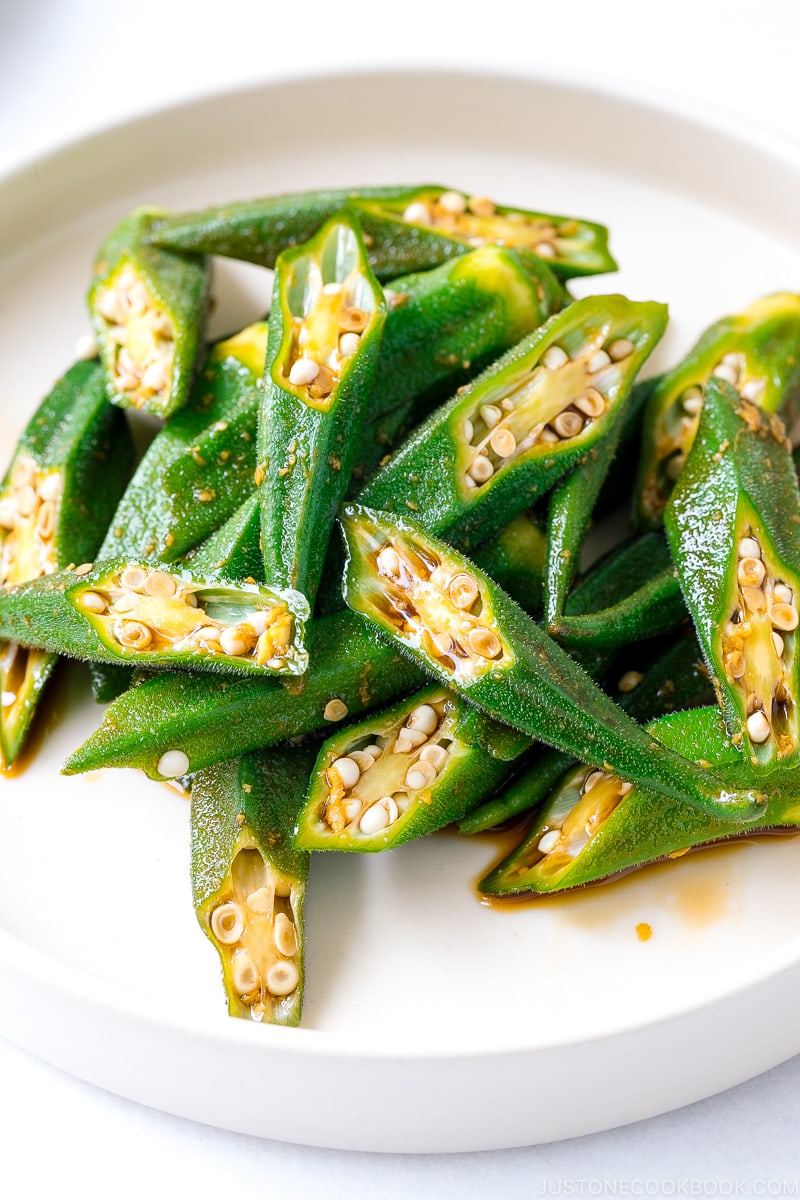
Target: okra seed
x=173 y=764
x=133 y=634
x=625 y=787
x=335 y=710
x=388 y=562
x=375 y=818
x=754 y=598
x=348 y=771
x=753 y=390
x=784 y=616
x=227 y=923
x=415 y=737
x=244 y=973
x=86 y=347
x=159 y=583
x=490 y=414
x=568 y=424
x=27 y=501
x=620 y=348
x=732 y=360
x=8 y=513
x=133 y=578
x=285 y=936
x=727 y=372
x=282 y=978
x=503 y=442
x=348 y=344
x=777 y=642
x=736 y=664
x=420 y=775
x=108 y=305
x=373 y=750
x=425 y=718
x=154 y=376
x=418 y=213
x=206 y=634
x=94 y=602
x=484 y=642
x=362 y=760
x=758 y=729
x=692 y=401
x=7 y=699
x=236 y=641
x=751 y=571
x=50 y=486
x=598 y=361
x=783 y=593
x=453 y=202
x=127 y=382
x=549 y=840
x=749 y=548
x=481 y=206
x=463 y=590
x=481 y=469
x=437 y=756
x=469 y=431
x=590 y=402
x=554 y=357
x=549 y=436
x=260 y=901
x=303 y=371
x=353 y=320
x=442 y=642
x=323 y=385
x=352 y=809
x=84 y=568
x=592 y=779
x=545 y=250
x=629 y=681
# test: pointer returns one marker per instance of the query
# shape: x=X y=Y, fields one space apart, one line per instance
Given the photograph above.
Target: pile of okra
x=341 y=596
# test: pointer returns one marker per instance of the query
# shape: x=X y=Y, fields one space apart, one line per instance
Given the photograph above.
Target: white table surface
x=70 y=66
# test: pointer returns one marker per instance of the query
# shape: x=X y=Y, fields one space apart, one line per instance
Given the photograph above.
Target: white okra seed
x=227 y=923
x=453 y=202
x=348 y=771
x=424 y=717
x=375 y=818
x=244 y=973
x=783 y=593
x=303 y=371
x=86 y=346
x=94 y=602
x=282 y=978
x=420 y=775
x=172 y=764
x=620 y=348
x=727 y=372
x=758 y=727
x=753 y=390
x=547 y=841
x=491 y=414
x=418 y=213
x=598 y=361
x=554 y=357
x=545 y=250
x=285 y=936
x=437 y=756
x=592 y=780
x=481 y=469
x=749 y=548
x=348 y=344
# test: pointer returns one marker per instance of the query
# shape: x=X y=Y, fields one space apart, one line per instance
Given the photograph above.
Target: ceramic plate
x=432 y=1022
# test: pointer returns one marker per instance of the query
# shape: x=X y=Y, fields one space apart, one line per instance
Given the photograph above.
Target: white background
x=70 y=66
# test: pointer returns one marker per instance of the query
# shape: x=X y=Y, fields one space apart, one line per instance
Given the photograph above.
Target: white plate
x=431 y=1023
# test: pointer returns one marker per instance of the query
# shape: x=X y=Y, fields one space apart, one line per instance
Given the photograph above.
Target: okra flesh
x=461 y=628
x=523 y=424
x=756 y=352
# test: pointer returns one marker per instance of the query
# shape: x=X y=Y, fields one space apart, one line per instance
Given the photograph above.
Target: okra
x=401 y=774
x=523 y=424
x=68 y=471
x=148 y=309
x=454 y=621
x=407 y=229
x=129 y=612
x=234 y=550
x=325 y=328
x=757 y=351
x=248 y=882
x=515 y=559
x=175 y=724
x=733 y=523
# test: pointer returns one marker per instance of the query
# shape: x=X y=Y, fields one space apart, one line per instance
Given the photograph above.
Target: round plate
x=432 y=1022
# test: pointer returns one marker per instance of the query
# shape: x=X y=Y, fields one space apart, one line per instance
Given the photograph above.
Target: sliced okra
x=515 y=559
x=325 y=329
x=408 y=229
x=756 y=351
x=148 y=309
x=248 y=882
x=454 y=621
x=398 y=775
x=174 y=724
x=68 y=471
x=656 y=607
x=523 y=424
x=130 y=612
x=733 y=522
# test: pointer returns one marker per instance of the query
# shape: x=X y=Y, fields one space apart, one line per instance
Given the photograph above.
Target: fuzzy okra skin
x=757 y=351
x=65 y=478
x=733 y=523
x=233 y=550
x=148 y=309
x=596 y=825
x=326 y=322
x=522 y=425
x=408 y=229
x=350 y=671
x=248 y=882
x=129 y=612
x=403 y=773
x=463 y=630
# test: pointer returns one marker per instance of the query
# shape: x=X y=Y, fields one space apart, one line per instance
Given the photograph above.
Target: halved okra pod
x=132 y=613
x=407 y=229
x=757 y=351
x=733 y=523
x=148 y=309
x=523 y=424
x=403 y=773
x=248 y=882
x=172 y=725
x=68 y=471
x=454 y=621
x=325 y=328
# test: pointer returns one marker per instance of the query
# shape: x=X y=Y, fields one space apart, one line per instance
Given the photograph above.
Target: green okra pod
x=757 y=351
x=408 y=229
x=522 y=425
x=67 y=473
x=148 y=308
x=233 y=550
x=325 y=329
x=733 y=522
x=515 y=559
x=350 y=671
x=248 y=882
x=463 y=630
x=132 y=613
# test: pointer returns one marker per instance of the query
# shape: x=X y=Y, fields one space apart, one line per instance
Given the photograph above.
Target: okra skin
x=179 y=711
x=418 y=788
x=258 y=230
x=763 y=341
x=233 y=550
x=68 y=471
x=515 y=559
x=473 y=464
x=248 y=880
x=397 y=576
x=733 y=523
x=107 y=613
x=307 y=436
x=656 y=607
x=148 y=309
